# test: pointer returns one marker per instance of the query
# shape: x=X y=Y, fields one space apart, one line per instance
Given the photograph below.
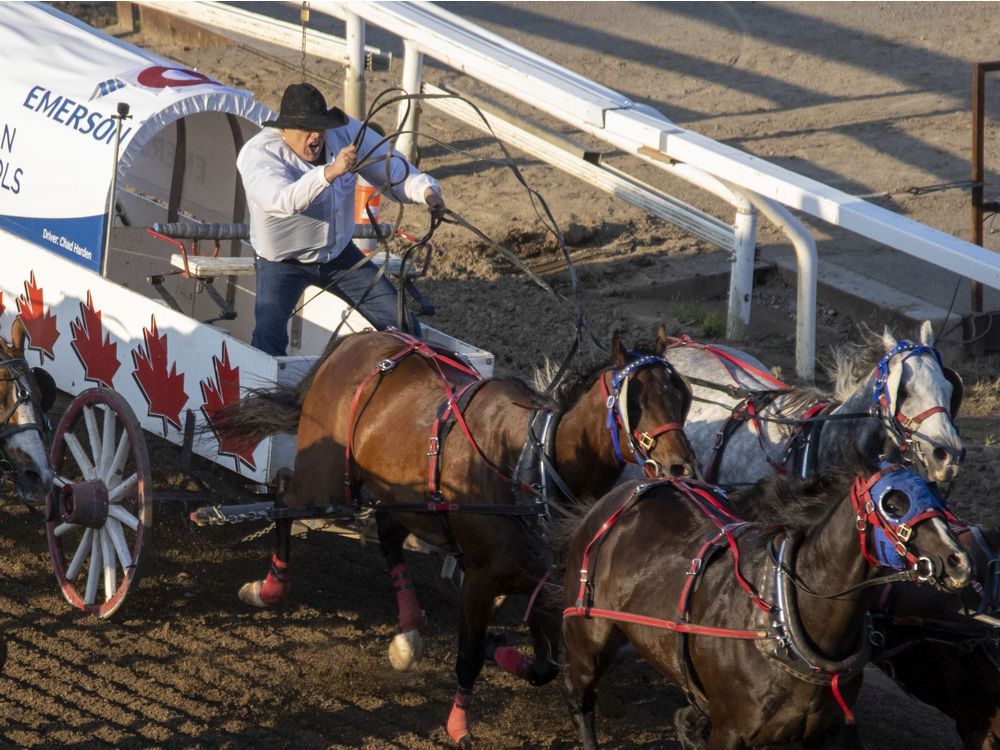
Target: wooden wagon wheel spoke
x=95 y=440
x=103 y=509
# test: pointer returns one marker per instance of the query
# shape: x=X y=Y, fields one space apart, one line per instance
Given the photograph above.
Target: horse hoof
x=250 y=594
x=466 y=742
x=406 y=650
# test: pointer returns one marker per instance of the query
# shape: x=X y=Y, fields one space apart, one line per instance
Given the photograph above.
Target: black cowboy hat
x=303 y=107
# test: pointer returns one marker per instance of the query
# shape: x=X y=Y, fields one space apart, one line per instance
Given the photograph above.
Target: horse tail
x=261 y=413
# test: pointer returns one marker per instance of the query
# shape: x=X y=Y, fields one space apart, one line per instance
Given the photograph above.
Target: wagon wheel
x=101 y=510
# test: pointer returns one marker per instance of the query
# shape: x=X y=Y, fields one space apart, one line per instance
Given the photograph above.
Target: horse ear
x=18 y=333
x=888 y=340
x=662 y=339
x=618 y=354
x=927 y=333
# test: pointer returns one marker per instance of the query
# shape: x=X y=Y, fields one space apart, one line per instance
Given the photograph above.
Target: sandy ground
x=871 y=98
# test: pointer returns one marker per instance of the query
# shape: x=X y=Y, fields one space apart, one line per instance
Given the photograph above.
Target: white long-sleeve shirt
x=295 y=212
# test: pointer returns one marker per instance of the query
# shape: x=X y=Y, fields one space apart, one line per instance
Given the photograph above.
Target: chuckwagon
x=125 y=256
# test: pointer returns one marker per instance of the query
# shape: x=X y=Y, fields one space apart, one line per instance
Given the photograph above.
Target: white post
x=807 y=262
x=409 y=111
x=354 y=73
x=741 y=275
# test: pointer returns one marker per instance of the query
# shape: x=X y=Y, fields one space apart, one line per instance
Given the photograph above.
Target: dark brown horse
x=655 y=564
x=932 y=645
x=386 y=422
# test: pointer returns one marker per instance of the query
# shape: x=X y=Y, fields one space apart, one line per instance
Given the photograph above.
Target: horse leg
x=545 y=623
x=724 y=739
x=692 y=728
x=406 y=647
x=586 y=665
x=275 y=586
x=476 y=609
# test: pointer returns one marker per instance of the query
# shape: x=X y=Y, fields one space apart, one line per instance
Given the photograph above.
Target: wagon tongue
x=218 y=515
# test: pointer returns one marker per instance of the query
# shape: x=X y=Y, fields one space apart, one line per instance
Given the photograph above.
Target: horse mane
x=791 y=501
x=576 y=382
x=853 y=362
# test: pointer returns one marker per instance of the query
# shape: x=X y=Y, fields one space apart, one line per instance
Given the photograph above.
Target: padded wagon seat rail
x=206 y=268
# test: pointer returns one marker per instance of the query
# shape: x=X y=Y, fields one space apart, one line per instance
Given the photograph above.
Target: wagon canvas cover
x=61 y=86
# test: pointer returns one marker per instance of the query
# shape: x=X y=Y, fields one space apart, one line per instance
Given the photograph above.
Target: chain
x=252 y=537
x=304 y=15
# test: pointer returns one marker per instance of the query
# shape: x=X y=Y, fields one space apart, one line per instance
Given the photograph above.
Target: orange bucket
x=366 y=195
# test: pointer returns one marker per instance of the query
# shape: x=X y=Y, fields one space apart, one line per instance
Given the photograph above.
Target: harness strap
x=411 y=345
x=910 y=424
x=725 y=356
x=748 y=409
x=654 y=622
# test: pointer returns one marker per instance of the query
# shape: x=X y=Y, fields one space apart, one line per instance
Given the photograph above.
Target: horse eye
x=895 y=504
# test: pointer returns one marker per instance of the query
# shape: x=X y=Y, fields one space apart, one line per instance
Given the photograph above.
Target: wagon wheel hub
x=84 y=504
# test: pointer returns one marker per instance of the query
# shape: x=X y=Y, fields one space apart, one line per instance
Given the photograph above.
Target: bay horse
x=25 y=395
x=896 y=400
x=373 y=430
x=761 y=626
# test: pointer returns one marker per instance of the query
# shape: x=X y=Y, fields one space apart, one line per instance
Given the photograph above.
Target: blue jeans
x=281 y=283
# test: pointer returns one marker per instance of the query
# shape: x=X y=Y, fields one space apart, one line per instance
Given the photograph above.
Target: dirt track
x=186 y=665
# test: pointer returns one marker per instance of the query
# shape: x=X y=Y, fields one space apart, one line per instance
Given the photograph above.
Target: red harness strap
x=411 y=346
x=723 y=355
x=653 y=622
x=705 y=501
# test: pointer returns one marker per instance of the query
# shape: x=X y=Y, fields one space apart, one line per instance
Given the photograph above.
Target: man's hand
x=343 y=164
x=435 y=204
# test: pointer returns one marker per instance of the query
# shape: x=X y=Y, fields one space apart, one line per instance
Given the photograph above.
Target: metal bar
x=229 y=21
x=807 y=260
x=409 y=111
x=741 y=275
x=354 y=73
x=979 y=71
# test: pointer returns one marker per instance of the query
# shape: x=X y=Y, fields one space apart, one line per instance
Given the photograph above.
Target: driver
x=298 y=172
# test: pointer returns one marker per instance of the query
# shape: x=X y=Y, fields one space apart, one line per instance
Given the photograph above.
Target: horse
x=944 y=648
x=760 y=625
x=895 y=400
x=25 y=396
x=373 y=427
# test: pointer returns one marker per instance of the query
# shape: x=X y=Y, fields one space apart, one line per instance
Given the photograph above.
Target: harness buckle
x=611 y=401
x=695 y=568
x=720 y=438
x=904 y=532
x=434 y=448
x=647 y=442
x=386 y=365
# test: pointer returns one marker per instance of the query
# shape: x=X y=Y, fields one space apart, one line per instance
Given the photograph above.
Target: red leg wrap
x=509 y=659
x=458 y=721
x=276 y=585
x=406 y=599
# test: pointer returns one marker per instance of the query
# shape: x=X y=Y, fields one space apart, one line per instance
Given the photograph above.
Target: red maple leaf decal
x=163 y=389
x=225 y=389
x=99 y=358
x=40 y=325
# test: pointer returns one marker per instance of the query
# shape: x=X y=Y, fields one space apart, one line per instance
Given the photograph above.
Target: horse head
x=917 y=399
x=904 y=524
x=23 y=454
x=648 y=402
